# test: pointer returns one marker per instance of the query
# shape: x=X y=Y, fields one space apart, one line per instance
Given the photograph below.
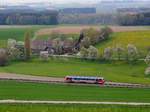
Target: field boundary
x=9 y=101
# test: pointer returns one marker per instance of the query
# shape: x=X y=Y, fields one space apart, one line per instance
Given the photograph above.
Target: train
x=84 y=79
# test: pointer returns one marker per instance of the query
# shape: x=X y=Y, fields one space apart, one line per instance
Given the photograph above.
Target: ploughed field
x=60 y=67
x=57 y=92
x=71 y=108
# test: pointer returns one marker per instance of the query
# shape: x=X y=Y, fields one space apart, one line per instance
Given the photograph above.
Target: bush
x=147 y=71
x=108 y=53
x=147 y=59
x=93 y=52
x=11 y=43
x=44 y=55
x=132 y=52
x=84 y=53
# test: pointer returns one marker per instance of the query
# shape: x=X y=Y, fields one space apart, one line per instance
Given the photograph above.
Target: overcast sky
x=52 y=1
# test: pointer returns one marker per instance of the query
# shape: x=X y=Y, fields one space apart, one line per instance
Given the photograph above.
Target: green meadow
x=17 y=32
x=70 y=108
x=37 y=91
x=118 y=71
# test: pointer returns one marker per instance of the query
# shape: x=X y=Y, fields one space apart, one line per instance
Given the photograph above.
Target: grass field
x=35 y=91
x=71 y=108
x=114 y=71
x=17 y=32
x=140 y=39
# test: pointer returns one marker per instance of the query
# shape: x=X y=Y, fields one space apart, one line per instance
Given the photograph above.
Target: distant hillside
x=112 y=6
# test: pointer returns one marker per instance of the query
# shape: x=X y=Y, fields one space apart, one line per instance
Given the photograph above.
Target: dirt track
x=10 y=76
x=70 y=102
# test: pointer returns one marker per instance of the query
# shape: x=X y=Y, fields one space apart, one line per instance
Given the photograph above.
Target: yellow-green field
x=141 y=39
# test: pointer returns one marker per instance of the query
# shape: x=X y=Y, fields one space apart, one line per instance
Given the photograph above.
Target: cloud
x=52 y=1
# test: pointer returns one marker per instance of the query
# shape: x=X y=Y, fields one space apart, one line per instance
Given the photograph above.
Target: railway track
x=39 y=79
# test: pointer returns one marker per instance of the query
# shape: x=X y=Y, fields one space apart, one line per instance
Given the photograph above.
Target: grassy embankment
x=111 y=71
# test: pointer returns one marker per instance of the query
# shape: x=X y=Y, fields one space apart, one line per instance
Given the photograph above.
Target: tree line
x=124 y=19
x=127 y=19
x=55 y=17
x=29 y=18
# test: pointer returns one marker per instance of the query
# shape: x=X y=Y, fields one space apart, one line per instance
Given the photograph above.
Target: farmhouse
x=54 y=46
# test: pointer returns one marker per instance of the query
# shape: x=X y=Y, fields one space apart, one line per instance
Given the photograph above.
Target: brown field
x=64 y=30
x=78 y=29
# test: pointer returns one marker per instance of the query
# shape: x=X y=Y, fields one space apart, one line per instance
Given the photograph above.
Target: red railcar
x=83 y=79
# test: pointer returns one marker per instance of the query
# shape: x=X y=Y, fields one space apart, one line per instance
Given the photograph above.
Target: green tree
x=119 y=51
x=132 y=52
x=147 y=59
x=27 y=45
x=3 y=57
x=108 y=53
x=84 y=53
x=93 y=53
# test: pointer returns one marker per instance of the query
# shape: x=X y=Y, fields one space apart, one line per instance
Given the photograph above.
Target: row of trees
x=87 y=19
x=131 y=53
x=133 y=19
x=90 y=53
x=28 y=18
x=92 y=36
x=16 y=50
x=120 y=18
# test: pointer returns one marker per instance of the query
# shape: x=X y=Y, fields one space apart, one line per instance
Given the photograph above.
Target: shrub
x=147 y=71
x=147 y=59
x=11 y=43
x=84 y=53
x=119 y=51
x=92 y=52
x=44 y=55
x=107 y=53
x=132 y=52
